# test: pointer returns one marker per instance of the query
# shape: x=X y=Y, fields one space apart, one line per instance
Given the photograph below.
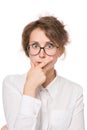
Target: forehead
x=38 y=35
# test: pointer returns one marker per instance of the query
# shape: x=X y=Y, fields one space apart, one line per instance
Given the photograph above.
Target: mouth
x=39 y=62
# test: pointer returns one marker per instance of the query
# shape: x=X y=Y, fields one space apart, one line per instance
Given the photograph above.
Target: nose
x=42 y=53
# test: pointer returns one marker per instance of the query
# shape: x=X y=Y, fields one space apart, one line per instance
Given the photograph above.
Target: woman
x=41 y=99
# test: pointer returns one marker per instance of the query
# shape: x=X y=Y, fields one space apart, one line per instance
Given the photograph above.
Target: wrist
x=29 y=90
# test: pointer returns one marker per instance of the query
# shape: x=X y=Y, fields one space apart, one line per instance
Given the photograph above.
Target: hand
x=4 y=128
x=36 y=76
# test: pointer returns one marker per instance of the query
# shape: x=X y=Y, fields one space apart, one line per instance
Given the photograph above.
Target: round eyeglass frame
x=28 y=47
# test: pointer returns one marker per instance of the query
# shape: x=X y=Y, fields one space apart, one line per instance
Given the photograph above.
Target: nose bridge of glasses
x=42 y=49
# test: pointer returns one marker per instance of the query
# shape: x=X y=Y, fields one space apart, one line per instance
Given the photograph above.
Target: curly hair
x=53 y=28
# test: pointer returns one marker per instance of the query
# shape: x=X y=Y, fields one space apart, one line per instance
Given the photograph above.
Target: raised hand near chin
x=4 y=128
x=36 y=76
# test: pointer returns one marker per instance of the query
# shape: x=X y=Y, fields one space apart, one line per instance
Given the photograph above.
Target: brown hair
x=53 y=28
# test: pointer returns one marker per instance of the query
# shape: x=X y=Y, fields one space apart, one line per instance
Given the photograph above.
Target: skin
x=42 y=66
x=4 y=128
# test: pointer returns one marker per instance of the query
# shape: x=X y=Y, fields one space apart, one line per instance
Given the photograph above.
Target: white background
x=15 y=14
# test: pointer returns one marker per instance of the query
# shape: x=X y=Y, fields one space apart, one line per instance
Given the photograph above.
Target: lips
x=39 y=62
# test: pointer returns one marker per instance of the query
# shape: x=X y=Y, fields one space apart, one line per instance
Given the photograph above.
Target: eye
x=35 y=45
x=50 y=46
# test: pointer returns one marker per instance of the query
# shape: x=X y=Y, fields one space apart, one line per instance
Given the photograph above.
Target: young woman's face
x=38 y=38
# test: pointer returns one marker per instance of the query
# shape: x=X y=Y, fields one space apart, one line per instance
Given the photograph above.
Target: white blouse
x=59 y=106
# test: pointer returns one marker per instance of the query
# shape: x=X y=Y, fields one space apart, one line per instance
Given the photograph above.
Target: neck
x=49 y=77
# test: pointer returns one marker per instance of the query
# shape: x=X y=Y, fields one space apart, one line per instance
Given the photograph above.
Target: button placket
x=44 y=113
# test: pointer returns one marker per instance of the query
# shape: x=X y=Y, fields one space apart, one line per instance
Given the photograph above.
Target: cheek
x=55 y=58
x=33 y=60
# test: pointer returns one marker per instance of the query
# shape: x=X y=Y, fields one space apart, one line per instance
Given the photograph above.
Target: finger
x=48 y=67
x=45 y=62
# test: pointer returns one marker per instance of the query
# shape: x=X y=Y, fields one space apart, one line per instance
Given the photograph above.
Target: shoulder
x=70 y=93
x=14 y=81
x=14 y=77
x=70 y=87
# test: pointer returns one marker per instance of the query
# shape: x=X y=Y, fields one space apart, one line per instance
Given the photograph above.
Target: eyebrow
x=41 y=42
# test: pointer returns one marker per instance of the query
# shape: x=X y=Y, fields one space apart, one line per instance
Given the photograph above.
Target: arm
x=77 y=122
x=21 y=110
x=16 y=105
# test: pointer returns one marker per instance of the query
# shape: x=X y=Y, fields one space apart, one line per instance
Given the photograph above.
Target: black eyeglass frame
x=28 y=47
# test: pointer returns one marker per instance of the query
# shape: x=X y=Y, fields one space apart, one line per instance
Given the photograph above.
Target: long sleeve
x=27 y=116
x=20 y=111
x=77 y=122
x=59 y=106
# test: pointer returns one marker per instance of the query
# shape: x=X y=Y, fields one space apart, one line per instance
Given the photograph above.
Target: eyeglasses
x=34 y=49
